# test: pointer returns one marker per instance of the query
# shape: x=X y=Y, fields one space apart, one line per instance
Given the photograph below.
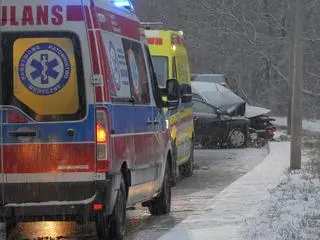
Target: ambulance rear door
x=48 y=130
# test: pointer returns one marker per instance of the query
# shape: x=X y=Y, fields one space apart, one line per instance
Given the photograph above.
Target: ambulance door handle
x=150 y=122
x=23 y=133
x=153 y=122
x=156 y=122
x=71 y=132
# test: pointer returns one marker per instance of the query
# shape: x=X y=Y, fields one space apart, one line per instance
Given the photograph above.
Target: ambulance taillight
x=102 y=139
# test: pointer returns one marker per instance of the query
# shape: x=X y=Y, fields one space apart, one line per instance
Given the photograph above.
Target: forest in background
x=251 y=41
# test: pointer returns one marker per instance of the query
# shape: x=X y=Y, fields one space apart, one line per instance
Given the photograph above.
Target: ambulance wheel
x=174 y=168
x=187 y=168
x=162 y=204
x=10 y=226
x=114 y=227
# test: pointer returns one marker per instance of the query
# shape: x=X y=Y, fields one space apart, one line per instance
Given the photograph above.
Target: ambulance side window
x=153 y=76
x=119 y=83
x=137 y=71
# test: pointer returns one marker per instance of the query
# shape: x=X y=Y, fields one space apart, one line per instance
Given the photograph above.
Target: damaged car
x=216 y=107
x=218 y=125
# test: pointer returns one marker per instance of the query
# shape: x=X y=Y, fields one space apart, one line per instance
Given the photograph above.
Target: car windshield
x=160 y=65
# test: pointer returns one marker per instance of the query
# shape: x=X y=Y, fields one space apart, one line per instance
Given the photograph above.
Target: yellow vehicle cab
x=170 y=60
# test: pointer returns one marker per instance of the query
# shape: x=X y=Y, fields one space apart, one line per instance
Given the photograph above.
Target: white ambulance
x=83 y=132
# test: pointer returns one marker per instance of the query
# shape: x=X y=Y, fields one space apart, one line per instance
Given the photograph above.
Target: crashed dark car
x=232 y=105
x=217 y=124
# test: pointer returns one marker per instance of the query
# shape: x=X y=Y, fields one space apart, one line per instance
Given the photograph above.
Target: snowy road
x=216 y=169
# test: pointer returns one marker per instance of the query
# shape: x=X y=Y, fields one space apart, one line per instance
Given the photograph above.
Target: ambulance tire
x=187 y=168
x=10 y=226
x=162 y=204
x=114 y=227
x=174 y=168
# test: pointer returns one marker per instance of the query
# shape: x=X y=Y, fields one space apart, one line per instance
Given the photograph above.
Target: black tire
x=162 y=204
x=239 y=143
x=114 y=227
x=174 y=172
x=187 y=168
x=10 y=226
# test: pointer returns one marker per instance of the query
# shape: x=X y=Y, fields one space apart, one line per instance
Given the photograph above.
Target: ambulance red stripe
x=74 y=13
x=22 y=158
x=94 y=14
x=88 y=17
x=93 y=48
x=95 y=64
x=119 y=24
x=104 y=63
x=99 y=94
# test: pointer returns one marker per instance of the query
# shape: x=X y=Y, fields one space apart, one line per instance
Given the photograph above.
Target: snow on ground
x=224 y=215
x=291 y=212
x=311 y=125
x=267 y=203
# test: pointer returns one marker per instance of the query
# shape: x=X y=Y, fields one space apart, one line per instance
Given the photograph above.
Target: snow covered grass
x=292 y=210
x=311 y=125
x=312 y=149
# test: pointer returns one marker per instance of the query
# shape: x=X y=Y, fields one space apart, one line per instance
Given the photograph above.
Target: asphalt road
x=215 y=169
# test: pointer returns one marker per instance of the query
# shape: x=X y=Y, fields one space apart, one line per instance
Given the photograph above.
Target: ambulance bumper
x=72 y=210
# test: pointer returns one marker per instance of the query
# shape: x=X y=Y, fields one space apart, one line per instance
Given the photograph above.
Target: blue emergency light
x=123 y=4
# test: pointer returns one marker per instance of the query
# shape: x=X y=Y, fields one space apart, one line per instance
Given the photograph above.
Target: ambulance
x=83 y=128
x=170 y=59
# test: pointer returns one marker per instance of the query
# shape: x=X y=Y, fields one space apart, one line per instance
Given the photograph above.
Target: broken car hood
x=252 y=111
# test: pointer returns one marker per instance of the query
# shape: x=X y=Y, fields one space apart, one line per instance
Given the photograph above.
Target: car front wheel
x=237 y=138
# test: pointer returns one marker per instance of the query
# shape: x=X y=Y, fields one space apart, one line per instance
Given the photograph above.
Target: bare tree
x=248 y=40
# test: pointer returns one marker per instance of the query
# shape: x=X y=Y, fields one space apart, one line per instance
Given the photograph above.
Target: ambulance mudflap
x=48 y=148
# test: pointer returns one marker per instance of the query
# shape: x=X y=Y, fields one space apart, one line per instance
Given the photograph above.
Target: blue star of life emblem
x=44 y=69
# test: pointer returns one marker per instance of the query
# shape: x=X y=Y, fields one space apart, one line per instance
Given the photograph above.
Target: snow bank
x=311 y=125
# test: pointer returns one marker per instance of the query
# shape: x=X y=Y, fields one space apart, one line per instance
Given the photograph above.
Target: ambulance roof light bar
x=126 y=4
x=149 y=25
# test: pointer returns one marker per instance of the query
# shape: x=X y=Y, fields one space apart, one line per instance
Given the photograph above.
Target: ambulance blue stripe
x=55 y=132
x=125 y=119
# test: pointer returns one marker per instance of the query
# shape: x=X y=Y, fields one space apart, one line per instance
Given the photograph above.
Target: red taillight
x=102 y=139
x=97 y=207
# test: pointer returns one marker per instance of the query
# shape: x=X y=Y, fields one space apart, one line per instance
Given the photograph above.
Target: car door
x=143 y=172
x=160 y=138
x=208 y=125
